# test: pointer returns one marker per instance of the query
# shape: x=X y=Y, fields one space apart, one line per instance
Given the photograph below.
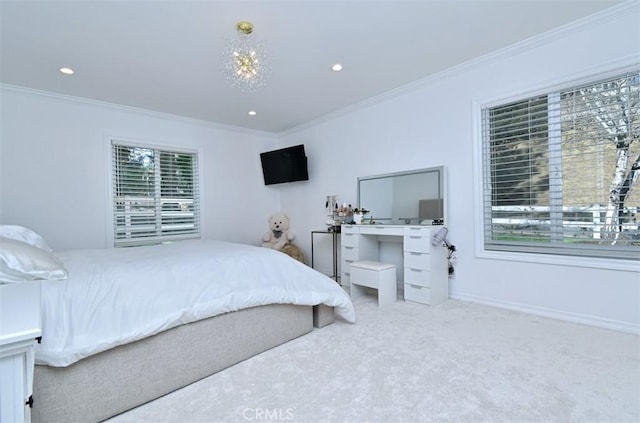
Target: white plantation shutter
x=561 y=171
x=155 y=194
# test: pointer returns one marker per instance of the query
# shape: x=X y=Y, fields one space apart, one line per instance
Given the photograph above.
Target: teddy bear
x=279 y=233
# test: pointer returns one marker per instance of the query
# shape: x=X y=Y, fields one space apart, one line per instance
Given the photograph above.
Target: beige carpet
x=457 y=362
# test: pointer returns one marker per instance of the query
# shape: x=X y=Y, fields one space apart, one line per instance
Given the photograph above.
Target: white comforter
x=116 y=296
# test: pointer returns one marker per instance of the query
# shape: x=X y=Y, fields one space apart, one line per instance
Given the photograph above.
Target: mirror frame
x=441 y=189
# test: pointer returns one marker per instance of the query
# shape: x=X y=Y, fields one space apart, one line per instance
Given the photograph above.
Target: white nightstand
x=19 y=327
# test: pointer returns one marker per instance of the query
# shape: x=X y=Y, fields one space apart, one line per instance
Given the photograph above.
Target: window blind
x=155 y=195
x=561 y=171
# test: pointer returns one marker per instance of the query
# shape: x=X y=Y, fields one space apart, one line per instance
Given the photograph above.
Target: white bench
x=373 y=274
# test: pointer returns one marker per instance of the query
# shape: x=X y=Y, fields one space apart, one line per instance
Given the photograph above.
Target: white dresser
x=19 y=328
x=426 y=270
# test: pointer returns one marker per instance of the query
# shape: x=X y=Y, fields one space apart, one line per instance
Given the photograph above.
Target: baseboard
x=554 y=314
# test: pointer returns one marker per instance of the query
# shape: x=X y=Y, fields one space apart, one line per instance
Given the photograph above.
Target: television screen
x=284 y=165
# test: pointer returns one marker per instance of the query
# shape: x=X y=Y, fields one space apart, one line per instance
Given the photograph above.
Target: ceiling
x=166 y=55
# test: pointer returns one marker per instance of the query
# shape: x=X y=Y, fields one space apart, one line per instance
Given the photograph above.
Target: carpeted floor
x=457 y=362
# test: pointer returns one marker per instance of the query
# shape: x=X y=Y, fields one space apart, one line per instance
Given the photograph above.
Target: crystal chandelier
x=246 y=64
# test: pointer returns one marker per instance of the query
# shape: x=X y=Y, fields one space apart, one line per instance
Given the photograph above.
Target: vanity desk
x=426 y=274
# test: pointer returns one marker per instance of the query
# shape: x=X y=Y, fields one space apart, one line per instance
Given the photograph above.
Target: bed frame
x=101 y=386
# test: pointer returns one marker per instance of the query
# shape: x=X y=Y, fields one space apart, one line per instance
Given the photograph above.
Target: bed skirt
x=117 y=380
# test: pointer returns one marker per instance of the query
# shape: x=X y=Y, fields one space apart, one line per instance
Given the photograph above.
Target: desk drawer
x=345 y=279
x=350 y=239
x=349 y=253
x=418 y=231
x=349 y=229
x=417 y=243
x=346 y=265
x=420 y=261
x=417 y=277
x=381 y=230
x=418 y=294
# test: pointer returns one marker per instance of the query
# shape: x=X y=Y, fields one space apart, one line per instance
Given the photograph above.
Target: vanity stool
x=373 y=274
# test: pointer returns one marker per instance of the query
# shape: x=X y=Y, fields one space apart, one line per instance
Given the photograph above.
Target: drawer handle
x=415 y=254
x=416 y=286
x=415 y=270
x=348 y=248
x=415 y=237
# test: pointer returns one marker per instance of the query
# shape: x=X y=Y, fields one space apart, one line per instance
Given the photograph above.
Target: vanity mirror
x=410 y=197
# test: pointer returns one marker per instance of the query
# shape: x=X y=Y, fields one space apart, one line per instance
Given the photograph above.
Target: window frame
x=587 y=76
x=110 y=179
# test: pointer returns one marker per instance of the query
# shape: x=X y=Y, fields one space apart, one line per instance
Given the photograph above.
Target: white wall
x=53 y=175
x=432 y=124
x=53 y=159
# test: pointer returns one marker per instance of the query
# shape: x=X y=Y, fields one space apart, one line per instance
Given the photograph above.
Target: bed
x=121 y=327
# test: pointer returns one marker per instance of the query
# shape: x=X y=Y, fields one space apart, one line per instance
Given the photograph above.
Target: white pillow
x=22 y=262
x=25 y=235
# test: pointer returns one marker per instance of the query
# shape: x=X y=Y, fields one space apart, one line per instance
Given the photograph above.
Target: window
x=561 y=171
x=155 y=195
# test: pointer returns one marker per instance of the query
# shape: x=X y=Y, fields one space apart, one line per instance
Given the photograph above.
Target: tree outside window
x=155 y=195
x=561 y=171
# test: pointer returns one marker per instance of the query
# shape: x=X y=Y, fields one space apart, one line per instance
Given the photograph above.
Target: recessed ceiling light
x=66 y=71
x=252 y=113
x=337 y=67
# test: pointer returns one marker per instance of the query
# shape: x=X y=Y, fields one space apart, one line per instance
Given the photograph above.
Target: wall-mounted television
x=284 y=165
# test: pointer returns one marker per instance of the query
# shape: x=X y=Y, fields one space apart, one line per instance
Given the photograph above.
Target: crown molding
x=629 y=7
x=131 y=109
